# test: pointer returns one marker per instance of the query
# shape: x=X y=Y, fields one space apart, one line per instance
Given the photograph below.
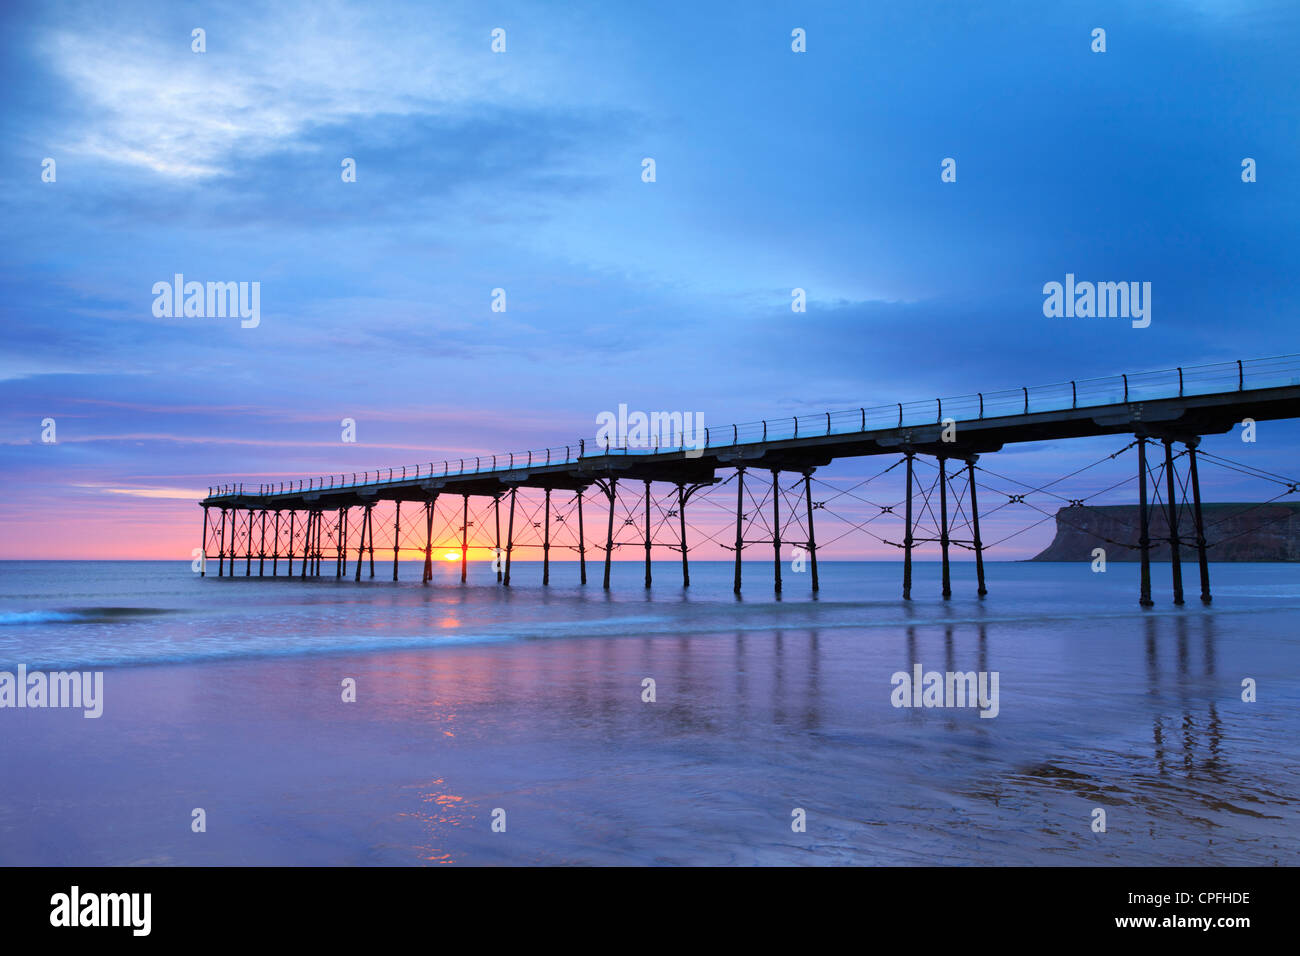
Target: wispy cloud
x=182 y=494
x=267 y=78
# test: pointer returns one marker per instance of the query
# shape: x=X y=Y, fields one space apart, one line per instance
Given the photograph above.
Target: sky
x=522 y=170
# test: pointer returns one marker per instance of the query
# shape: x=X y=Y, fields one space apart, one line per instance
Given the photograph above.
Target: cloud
x=268 y=77
x=181 y=494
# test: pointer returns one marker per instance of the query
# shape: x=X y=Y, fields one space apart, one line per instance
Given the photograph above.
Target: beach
x=228 y=696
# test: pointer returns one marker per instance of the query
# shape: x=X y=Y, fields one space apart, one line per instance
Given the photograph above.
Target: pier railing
x=1242 y=375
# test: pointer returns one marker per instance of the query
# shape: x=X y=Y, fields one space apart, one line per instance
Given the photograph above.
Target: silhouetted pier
x=314 y=521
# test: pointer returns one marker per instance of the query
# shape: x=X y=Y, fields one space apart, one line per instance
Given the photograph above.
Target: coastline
x=1140 y=715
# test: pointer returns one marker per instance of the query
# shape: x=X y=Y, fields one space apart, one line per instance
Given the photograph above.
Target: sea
x=287 y=721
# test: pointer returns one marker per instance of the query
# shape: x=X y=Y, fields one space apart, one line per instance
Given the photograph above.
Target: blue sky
x=522 y=170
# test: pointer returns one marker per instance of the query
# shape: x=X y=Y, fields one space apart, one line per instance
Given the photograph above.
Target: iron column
x=464 y=539
x=776 y=529
x=343 y=539
x=812 y=537
x=740 y=524
x=975 y=520
x=306 y=542
x=1171 y=511
x=681 y=515
x=496 y=515
x=1200 y=523
x=907 y=535
x=943 y=524
x=647 y=533
x=203 y=542
x=361 y=544
x=428 y=539
x=582 y=542
x=221 y=547
x=311 y=541
x=1144 y=538
x=610 y=493
x=546 y=543
x=338 y=543
x=397 y=535
x=510 y=536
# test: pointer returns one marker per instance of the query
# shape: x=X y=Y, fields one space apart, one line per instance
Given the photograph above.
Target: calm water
x=225 y=695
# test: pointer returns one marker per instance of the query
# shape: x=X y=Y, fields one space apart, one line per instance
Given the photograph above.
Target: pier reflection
x=1186 y=734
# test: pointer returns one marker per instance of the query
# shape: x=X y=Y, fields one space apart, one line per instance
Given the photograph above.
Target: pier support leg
x=812 y=537
x=343 y=539
x=776 y=529
x=1144 y=525
x=361 y=544
x=203 y=545
x=292 y=516
x=230 y=539
x=428 y=539
x=1200 y=523
x=370 y=536
x=1171 y=512
x=510 y=536
x=496 y=515
x=740 y=524
x=306 y=542
x=464 y=539
x=943 y=525
x=275 y=548
x=397 y=535
x=647 y=534
x=310 y=546
x=261 y=548
x=681 y=516
x=582 y=543
x=248 y=550
x=975 y=524
x=338 y=543
x=907 y=534
x=546 y=542
x=612 y=493
x=221 y=547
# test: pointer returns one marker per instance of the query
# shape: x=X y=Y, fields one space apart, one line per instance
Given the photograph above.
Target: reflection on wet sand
x=760 y=707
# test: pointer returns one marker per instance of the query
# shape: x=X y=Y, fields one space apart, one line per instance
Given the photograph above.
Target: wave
x=78 y=615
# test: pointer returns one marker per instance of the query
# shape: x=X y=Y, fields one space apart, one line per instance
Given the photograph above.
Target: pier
x=301 y=528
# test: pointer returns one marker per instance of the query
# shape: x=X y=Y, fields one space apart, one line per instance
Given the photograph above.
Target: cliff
x=1233 y=532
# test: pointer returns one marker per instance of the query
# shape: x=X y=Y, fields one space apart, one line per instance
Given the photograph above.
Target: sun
x=451 y=556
